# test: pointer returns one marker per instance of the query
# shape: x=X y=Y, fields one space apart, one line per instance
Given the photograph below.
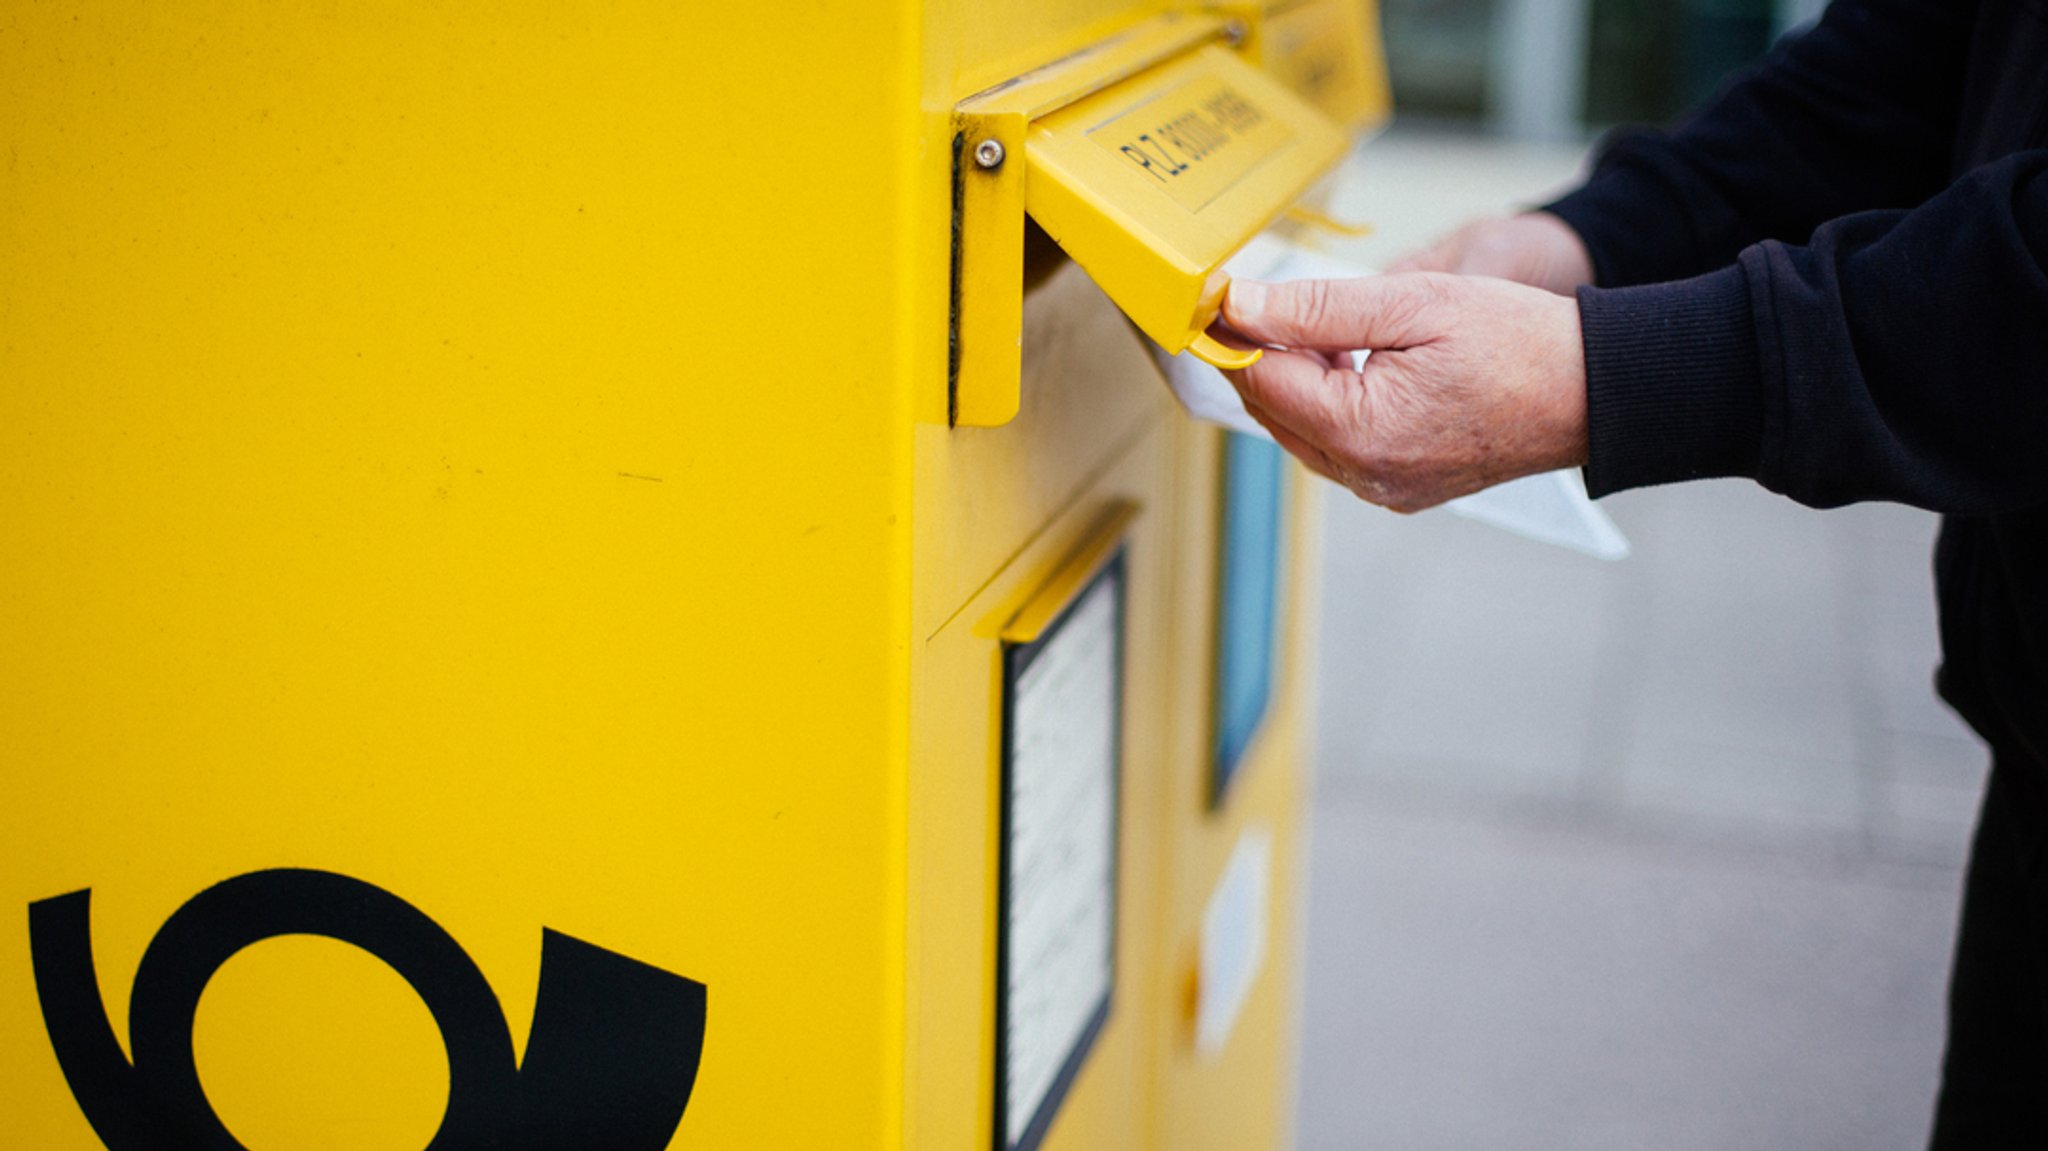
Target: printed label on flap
x=1196 y=141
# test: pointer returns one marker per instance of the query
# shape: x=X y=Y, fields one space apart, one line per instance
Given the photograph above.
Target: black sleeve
x=1858 y=113
x=1900 y=355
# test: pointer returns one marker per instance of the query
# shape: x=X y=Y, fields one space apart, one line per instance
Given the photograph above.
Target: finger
x=1338 y=315
x=1297 y=391
x=1230 y=338
x=1439 y=257
x=1417 y=262
x=1234 y=339
x=1312 y=457
x=1323 y=360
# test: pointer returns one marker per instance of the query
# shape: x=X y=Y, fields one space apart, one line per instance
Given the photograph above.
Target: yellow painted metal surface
x=372 y=505
x=1327 y=51
x=1090 y=452
x=1242 y=1096
x=487 y=566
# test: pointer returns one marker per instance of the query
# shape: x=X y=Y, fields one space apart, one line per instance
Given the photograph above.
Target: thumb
x=1374 y=312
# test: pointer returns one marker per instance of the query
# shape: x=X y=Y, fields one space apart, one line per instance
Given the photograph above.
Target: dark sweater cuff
x=1672 y=385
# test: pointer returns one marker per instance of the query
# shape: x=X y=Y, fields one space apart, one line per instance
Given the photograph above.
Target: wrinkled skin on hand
x=1471 y=382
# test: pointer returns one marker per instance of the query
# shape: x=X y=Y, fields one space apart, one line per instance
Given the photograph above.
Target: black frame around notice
x=1016 y=658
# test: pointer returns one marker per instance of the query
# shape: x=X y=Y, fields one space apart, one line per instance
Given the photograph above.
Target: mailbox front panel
x=423 y=509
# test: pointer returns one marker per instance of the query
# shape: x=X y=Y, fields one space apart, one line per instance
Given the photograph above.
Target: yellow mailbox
x=620 y=575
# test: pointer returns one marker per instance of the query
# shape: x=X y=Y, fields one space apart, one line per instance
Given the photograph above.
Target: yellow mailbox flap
x=1153 y=182
x=1150 y=157
x=1328 y=53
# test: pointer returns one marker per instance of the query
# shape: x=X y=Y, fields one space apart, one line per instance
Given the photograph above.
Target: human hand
x=1471 y=381
x=1534 y=248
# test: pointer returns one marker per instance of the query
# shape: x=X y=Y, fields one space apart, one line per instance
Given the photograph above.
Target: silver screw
x=989 y=153
x=1234 y=33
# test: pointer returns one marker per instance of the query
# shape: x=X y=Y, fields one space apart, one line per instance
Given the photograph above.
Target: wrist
x=1564 y=410
x=1565 y=262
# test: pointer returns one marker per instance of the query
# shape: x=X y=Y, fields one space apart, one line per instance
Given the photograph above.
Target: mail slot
x=614 y=578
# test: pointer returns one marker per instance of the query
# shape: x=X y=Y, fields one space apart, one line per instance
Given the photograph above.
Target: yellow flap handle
x=1216 y=353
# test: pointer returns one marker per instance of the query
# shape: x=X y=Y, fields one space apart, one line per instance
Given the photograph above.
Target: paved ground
x=1657 y=854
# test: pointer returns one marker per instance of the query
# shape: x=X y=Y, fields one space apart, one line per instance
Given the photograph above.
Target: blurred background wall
x=1553 y=68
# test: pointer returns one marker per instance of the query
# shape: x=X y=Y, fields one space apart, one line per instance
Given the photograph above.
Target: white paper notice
x=1061 y=904
x=1234 y=927
x=1552 y=507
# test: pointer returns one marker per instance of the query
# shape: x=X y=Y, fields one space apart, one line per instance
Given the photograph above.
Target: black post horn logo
x=610 y=1062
